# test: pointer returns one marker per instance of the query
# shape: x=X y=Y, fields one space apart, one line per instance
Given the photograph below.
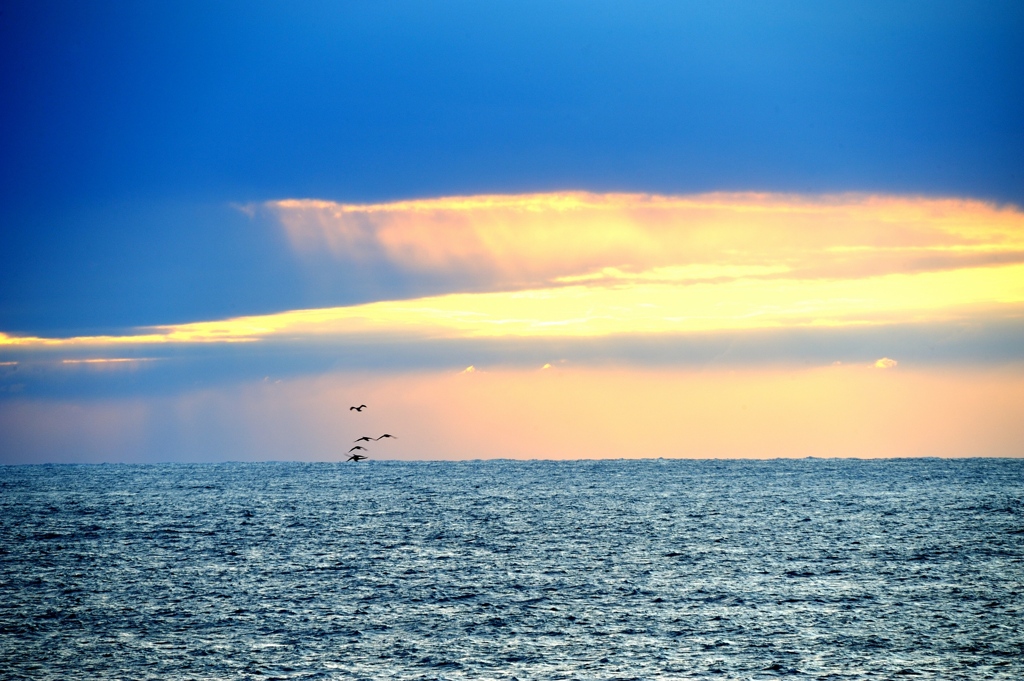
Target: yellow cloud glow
x=586 y=311
x=542 y=237
x=601 y=265
x=109 y=360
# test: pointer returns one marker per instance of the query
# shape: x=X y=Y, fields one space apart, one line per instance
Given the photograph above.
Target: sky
x=554 y=230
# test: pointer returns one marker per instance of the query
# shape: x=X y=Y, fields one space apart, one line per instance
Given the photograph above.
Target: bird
x=364 y=439
x=358 y=447
x=356 y=457
x=359 y=408
x=384 y=436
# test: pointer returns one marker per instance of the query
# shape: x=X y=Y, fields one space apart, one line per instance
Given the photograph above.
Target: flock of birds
x=366 y=438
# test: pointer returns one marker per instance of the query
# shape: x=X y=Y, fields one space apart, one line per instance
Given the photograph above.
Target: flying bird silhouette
x=386 y=435
x=359 y=408
x=364 y=439
x=356 y=457
x=358 y=447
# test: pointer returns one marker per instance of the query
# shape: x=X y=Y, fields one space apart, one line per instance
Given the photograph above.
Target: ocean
x=625 y=569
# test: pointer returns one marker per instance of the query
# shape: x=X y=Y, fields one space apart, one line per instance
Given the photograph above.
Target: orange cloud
x=528 y=239
x=590 y=265
x=109 y=360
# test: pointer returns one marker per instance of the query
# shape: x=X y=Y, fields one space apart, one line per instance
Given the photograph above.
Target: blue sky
x=147 y=149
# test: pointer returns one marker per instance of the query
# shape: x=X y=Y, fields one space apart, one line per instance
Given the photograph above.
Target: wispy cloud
x=526 y=240
x=579 y=265
x=109 y=360
x=597 y=310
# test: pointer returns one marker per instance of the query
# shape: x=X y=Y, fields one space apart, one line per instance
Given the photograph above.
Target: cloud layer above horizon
x=847 y=324
x=585 y=265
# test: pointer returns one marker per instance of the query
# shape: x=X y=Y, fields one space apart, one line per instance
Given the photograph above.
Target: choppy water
x=534 y=570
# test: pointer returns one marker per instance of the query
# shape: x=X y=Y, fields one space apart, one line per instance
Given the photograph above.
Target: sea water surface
x=650 y=569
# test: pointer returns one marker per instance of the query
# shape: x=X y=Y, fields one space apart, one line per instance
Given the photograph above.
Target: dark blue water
x=532 y=570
